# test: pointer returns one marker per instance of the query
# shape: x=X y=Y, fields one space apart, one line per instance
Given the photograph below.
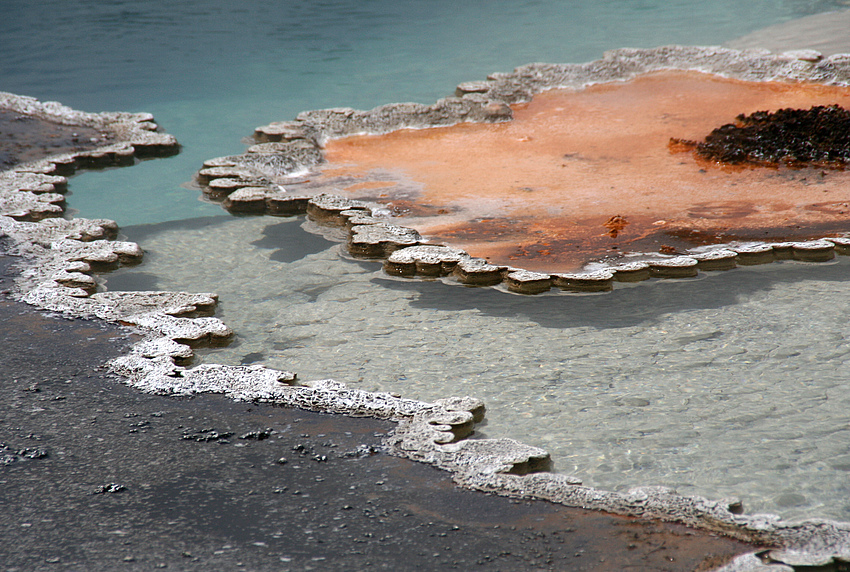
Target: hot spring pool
x=730 y=384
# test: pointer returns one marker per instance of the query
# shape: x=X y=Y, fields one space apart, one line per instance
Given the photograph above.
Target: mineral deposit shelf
x=579 y=175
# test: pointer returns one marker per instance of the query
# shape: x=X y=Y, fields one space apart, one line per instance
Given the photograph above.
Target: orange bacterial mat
x=580 y=175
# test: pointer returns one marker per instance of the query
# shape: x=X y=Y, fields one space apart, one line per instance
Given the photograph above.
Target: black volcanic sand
x=97 y=476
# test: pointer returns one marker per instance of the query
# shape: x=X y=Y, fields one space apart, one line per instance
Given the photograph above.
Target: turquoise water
x=727 y=385
x=211 y=71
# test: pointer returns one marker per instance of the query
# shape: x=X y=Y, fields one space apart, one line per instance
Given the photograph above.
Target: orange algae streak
x=369 y=185
x=540 y=192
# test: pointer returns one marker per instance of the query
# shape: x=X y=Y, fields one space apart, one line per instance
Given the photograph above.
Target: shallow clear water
x=727 y=385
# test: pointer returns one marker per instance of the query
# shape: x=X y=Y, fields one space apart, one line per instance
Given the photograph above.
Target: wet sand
x=541 y=191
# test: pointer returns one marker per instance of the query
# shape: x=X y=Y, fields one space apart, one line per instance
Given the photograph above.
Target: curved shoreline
x=62 y=253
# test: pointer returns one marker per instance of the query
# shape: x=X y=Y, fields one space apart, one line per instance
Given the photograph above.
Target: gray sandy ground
x=96 y=476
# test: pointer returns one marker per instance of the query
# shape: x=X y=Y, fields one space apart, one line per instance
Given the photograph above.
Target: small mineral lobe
x=541 y=191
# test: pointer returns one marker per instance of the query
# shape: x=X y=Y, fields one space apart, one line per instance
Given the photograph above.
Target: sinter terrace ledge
x=283 y=175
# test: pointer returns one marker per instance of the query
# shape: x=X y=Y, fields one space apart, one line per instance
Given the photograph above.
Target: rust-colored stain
x=615 y=225
x=370 y=185
x=579 y=175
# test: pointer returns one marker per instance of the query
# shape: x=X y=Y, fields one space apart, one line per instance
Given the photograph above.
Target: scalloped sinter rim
x=281 y=165
x=589 y=174
x=32 y=191
x=285 y=160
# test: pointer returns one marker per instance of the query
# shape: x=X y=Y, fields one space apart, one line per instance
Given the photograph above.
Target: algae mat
x=580 y=175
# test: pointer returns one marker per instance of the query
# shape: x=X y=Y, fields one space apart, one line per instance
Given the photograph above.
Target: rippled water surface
x=731 y=384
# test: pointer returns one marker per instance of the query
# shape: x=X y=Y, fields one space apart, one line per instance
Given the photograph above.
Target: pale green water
x=728 y=385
